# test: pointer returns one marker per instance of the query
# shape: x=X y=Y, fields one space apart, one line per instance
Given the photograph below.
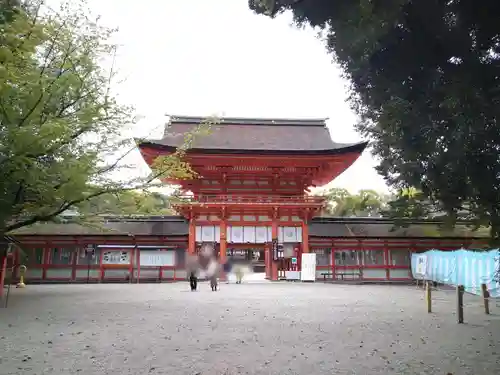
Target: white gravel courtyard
x=260 y=328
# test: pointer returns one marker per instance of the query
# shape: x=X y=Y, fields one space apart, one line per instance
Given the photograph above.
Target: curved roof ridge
x=270 y=121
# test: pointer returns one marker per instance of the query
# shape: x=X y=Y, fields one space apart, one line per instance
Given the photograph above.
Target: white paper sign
x=116 y=257
x=421 y=267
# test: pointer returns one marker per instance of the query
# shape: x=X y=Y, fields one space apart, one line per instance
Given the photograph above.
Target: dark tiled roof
x=177 y=226
x=53 y=229
x=380 y=228
x=137 y=227
x=328 y=230
x=271 y=135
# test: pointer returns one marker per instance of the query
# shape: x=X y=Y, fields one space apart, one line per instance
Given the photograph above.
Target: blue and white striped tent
x=460 y=267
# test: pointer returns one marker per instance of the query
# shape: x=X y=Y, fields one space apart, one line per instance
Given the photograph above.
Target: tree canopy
x=127 y=203
x=365 y=203
x=8 y=9
x=425 y=80
x=61 y=128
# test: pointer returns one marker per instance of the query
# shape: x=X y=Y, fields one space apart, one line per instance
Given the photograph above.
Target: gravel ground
x=273 y=328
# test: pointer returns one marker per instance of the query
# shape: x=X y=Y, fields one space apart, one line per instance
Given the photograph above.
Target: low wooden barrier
x=459 y=290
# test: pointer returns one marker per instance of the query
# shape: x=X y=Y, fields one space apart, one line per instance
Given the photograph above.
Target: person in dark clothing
x=213 y=283
x=193 y=281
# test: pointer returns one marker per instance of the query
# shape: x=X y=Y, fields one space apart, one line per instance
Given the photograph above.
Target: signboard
x=421 y=266
x=116 y=257
x=294 y=260
x=308 y=271
x=155 y=258
x=237 y=254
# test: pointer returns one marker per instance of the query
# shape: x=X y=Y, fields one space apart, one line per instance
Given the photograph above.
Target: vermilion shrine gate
x=254 y=175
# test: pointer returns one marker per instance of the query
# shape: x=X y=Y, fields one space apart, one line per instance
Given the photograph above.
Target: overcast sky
x=206 y=57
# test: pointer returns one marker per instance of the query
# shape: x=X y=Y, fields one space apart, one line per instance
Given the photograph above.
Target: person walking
x=193 y=281
x=239 y=274
x=213 y=283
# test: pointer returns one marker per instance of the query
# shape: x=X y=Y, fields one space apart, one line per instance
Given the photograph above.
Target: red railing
x=249 y=199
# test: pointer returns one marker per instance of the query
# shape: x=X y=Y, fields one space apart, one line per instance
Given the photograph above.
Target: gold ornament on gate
x=22 y=272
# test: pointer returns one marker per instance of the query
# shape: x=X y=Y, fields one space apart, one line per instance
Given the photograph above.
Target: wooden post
x=138 y=264
x=131 y=270
x=486 y=296
x=3 y=270
x=223 y=248
x=305 y=236
x=223 y=241
x=192 y=237
x=101 y=266
x=428 y=296
x=73 y=261
x=387 y=260
x=45 y=261
x=460 y=303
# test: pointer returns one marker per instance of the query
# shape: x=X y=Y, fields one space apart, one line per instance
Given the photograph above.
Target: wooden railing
x=249 y=199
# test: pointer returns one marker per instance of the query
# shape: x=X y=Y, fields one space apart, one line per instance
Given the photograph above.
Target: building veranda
x=249 y=202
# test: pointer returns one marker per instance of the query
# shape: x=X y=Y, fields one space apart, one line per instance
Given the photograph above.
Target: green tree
x=61 y=128
x=8 y=8
x=367 y=203
x=425 y=80
x=127 y=203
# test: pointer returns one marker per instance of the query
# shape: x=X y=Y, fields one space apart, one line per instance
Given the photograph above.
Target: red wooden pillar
x=332 y=257
x=75 y=254
x=305 y=236
x=131 y=266
x=3 y=270
x=192 y=237
x=45 y=261
x=361 y=249
x=101 y=266
x=267 y=260
x=176 y=263
x=223 y=246
x=387 y=260
x=138 y=264
x=274 y=264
